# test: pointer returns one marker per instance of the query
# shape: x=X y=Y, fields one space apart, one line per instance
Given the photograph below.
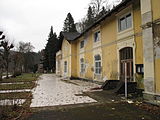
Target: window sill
x=126 y=30
x=97 y=44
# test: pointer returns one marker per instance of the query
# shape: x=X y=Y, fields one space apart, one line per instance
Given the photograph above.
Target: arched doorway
x=126 y=64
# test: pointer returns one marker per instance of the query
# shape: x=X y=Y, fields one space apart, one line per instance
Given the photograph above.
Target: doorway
x=126 y=64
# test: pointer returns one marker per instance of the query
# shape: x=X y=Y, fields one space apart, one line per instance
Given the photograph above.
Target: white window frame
x=97 y=36
x=82 y=65
x=98 y=65
x=82 y=45
x=125 y=19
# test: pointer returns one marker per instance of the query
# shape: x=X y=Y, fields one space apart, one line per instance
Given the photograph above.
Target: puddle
x=51 y=91
x=12 y=102
x=11 y=91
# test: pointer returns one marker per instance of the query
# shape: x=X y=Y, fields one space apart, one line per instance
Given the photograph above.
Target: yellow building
x=118 y=46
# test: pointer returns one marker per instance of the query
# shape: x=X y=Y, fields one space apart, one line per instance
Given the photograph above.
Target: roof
x=70 y=36
x=108 y=14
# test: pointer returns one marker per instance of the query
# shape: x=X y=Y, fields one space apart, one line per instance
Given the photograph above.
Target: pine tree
x=50 y=52
x=60 y=40
x=90 y=17
x=69 y=25
x=51 y=32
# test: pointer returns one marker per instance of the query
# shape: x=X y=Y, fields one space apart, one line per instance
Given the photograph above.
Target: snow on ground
x=11 y=91
x=13 y=83
x=12 y=102
x=51 y=91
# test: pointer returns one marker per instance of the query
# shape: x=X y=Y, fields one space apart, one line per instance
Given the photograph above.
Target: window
x=65 y=66
x=82 y=44
x=126 y=53
x=97 y=36
x=139 y=69
x=82 y=65
x=97 y=64
x=125 y=22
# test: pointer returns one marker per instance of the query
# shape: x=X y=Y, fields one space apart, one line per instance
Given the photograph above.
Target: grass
x=29 y=85
x=15 y=111
x=26 y=77
x=17 y=95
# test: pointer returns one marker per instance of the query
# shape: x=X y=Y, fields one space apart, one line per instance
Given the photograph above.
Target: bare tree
x=5 y=53
x=97 y=5
x=81 y=25
x=17 y=59
x=1 y=60
x=25 y=56
x=25 y=47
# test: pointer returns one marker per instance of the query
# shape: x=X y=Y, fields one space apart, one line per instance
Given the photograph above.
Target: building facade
x=123 y=44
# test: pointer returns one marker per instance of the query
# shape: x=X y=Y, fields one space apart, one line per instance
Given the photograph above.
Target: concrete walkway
x=52 y=91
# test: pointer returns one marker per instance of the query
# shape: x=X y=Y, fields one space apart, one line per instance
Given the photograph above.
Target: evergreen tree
x=60 y=40
x=90 y=17
x=69 y=25
x=51 y=32
x=50 y=52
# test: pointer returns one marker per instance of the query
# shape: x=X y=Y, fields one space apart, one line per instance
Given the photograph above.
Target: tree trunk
x=7 y=62
x=1 y=74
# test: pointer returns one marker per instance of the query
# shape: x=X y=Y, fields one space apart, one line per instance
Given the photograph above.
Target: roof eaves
x=124 y=2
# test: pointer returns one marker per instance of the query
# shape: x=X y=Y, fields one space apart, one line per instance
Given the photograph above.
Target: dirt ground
x=102 y=111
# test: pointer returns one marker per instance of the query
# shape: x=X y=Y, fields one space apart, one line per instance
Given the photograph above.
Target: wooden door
x=126 y=64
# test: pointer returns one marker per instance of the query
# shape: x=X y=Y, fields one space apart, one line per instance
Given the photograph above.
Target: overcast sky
x=30 y=20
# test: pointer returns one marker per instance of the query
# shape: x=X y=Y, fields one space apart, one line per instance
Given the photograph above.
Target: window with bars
x=126 y=53
x=97 y=64
x=97 y=36
x=125 y=22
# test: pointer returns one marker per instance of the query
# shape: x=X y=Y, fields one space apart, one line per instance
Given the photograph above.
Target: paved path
x=51 y=91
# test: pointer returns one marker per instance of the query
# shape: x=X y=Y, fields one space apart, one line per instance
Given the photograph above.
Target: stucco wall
x=66 y=56
x=138 y=34
x=155 y=9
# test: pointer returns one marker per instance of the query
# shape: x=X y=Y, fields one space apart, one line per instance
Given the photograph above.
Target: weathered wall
x=109 y=49
x=88 y=55
x=66 y=56
x=155 y=8
x=73 y=59
x=156 y=30
x=138 y=33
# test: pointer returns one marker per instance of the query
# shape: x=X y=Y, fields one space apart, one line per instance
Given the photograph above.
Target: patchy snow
x=11 y=91
x=12 y=102
x=13 y=83
x=5 y=76
x=51 y=91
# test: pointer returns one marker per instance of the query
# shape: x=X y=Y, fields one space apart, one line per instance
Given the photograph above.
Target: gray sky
x=30 y=20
